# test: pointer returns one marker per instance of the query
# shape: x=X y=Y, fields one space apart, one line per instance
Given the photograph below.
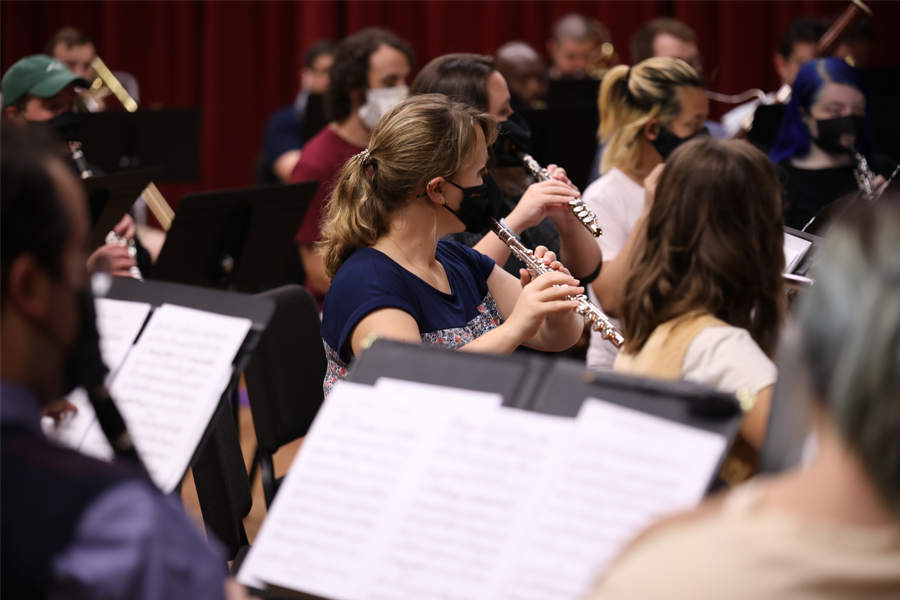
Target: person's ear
x=13 y=114
x=435 y=190
x=651 y=129
x=780 y=66
x=28 y=287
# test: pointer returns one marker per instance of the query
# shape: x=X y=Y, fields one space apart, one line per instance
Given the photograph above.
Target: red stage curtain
x=240 y=60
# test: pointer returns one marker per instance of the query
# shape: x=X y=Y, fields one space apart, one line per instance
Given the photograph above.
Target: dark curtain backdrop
x=239 y=60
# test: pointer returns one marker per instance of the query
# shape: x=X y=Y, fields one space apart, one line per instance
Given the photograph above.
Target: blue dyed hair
x=793 y=139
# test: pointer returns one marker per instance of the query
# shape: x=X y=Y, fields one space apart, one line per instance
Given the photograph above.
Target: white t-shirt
x=728 y=359
x=617 y=200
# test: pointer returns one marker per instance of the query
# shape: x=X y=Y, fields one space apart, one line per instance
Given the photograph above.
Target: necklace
x=427 y=274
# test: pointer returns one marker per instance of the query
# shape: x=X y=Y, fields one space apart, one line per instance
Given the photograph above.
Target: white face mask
x=378 y=102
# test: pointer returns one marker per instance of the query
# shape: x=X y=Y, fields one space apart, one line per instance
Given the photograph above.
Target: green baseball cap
x=37 y=75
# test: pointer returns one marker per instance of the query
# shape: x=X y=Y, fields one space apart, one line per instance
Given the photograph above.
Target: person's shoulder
x=284 y=117
x=728 y=358
x=468 y=258
x=613 y=185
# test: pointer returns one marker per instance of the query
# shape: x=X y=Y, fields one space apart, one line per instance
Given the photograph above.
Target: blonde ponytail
x=423 y=137
x=631 y=97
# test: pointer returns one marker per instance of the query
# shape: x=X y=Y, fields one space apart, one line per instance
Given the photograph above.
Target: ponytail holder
x=364 y=158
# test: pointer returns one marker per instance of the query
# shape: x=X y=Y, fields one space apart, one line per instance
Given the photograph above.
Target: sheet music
x=623 y=470
x=412 y=497
x=118 y=323
x=795 y=249
x=400 y=386
x=171 y=382
x=353 y=470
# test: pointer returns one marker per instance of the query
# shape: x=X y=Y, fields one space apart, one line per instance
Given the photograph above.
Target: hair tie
x=364 y=158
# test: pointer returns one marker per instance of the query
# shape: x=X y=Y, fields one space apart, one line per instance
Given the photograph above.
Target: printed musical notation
x=171 y=382
x=399 y=494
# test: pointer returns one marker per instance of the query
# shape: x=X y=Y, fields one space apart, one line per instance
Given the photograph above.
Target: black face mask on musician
x=479 y=205
x=839 y=135
x=514 y=135
x=65 y=126
x=667 y=142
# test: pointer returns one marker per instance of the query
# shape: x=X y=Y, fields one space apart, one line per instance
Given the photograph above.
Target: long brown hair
x=713 y=242
x=418 y=139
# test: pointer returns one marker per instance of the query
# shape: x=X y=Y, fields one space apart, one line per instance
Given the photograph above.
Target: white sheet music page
x=335 y=509
x=118 y=323
x=795 y=249
x=621 y=471
x=171 y=382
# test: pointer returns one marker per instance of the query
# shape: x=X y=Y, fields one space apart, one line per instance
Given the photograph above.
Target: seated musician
x=703 y=299
x=830 y=530
x=423 y=176
x=829 y=114
x=646 y=111
x=537 y=212
x=368 y=75
x=41 y=91
x=797 y=47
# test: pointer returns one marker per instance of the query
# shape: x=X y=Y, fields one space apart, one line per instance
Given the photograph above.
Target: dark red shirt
x=321 y=160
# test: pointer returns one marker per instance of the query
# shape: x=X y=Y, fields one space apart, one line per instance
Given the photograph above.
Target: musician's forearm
x=579 y=252
x=490 y=245
x=559 y=332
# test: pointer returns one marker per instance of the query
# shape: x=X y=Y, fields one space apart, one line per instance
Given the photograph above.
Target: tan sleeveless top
x=662 y=356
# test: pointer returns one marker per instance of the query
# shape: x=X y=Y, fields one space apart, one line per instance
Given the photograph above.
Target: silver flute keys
x=113 y=238
x=576 y=205
x=592 y=314
x=864 y=177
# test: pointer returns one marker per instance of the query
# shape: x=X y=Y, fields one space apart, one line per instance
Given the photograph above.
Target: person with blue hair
x=828 y=119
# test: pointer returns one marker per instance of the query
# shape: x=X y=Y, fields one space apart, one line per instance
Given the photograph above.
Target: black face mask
x=666 y=142
x=66 y=126
x=831 y=130
x=514 y=130
x=84 y=366
x=479 y=205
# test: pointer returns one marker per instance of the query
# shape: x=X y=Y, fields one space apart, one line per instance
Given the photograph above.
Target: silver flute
x=592 y=314
x=576 y=205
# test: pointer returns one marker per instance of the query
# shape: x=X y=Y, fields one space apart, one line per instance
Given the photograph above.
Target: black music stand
x=566 y=93
x=550 y=386
x=766 y=125
x=118 y=140
x=567 y=137
x=234 y=239
x=219 y=470
x=110 y=197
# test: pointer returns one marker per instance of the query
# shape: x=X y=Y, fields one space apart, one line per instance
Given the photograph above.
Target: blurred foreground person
x=831 y=531
x=73 y=526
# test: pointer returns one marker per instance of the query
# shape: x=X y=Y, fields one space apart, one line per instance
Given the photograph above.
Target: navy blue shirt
x=370 y=280
x=284 y=132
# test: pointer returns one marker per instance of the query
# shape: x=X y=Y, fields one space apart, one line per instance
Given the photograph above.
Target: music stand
x=110 y=197
x=234 y=239
x=211 y=468
x=168 y=137
x=546 y=385
x=566 y=93
x=766 y=125
x=568 y=138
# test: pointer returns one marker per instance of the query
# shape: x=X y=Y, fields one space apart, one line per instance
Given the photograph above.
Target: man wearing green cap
x=40 y=89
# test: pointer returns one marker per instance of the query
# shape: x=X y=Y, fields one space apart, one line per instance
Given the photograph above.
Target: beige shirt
x=743 y=551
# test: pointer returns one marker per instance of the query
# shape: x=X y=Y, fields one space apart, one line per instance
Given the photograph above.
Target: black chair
x=284 y=377
x=223 y=487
